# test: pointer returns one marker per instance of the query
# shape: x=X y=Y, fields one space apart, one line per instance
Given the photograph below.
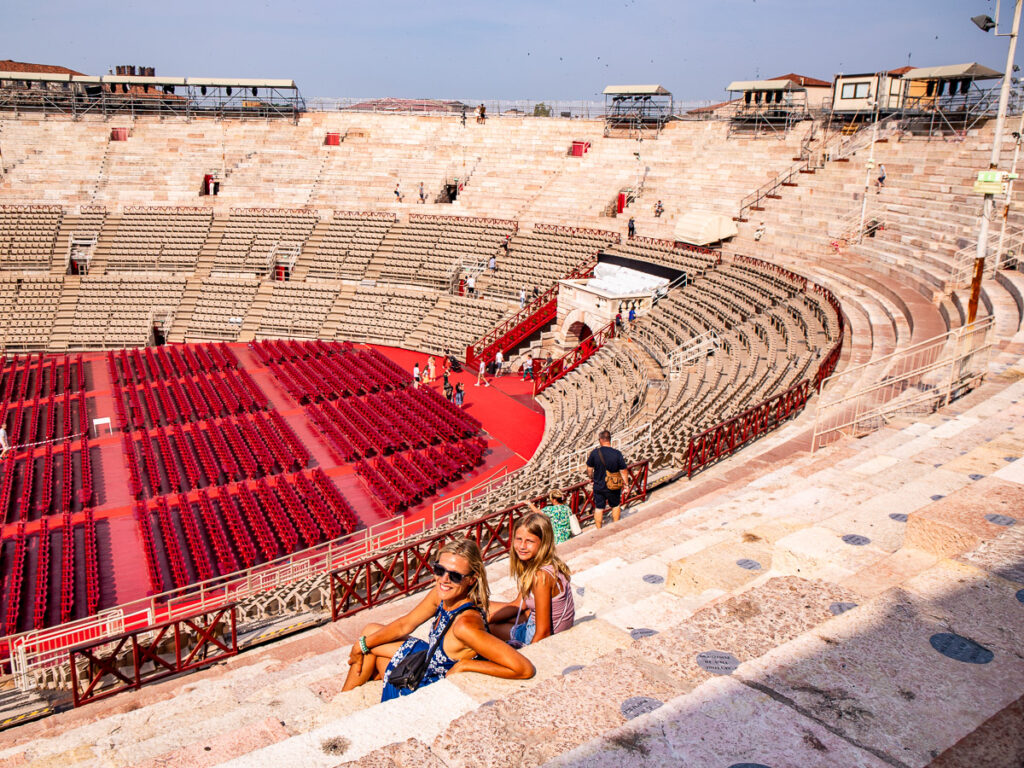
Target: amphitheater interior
x=856 y=600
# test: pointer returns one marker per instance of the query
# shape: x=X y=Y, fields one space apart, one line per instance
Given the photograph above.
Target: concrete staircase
x=183 y=314
x=64 y=319
x=251 y=322
x=208 y=254
x=309 y=249
x=332 y=323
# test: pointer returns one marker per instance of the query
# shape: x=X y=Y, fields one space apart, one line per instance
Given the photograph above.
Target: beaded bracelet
x=363 y=646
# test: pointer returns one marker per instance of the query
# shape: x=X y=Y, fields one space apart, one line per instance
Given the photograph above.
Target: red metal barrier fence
x=133 y=659
x=725 y=438
x=551 y=372
x=510 y=333
x=402 y=571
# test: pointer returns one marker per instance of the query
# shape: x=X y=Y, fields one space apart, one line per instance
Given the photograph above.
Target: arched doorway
x=579 y=331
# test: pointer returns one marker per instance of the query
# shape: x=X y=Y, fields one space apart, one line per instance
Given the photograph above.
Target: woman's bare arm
x=400 y=628
x=499 y=658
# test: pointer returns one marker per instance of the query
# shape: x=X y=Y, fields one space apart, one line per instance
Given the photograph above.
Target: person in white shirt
x=499 y=360
x=5 y=445
x=480 y=375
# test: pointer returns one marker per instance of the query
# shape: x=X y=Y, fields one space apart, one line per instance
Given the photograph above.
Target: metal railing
x=914 y=381
x=552 y=371
x=1005 y=251
x=405 y=570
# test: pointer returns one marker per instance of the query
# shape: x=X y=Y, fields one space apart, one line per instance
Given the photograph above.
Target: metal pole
x=997 y=140
x=1009 y=193
x=870 y=163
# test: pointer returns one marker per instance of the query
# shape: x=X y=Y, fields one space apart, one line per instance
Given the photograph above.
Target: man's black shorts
x=605 y=498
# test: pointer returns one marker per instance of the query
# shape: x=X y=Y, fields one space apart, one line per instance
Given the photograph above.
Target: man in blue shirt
x=603 y=461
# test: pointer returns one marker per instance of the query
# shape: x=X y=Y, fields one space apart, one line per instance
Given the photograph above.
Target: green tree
x=541 y=110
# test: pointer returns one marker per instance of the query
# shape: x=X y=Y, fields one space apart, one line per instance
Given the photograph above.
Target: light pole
x=871 y=161
x=1009 y=190
x=984 y=23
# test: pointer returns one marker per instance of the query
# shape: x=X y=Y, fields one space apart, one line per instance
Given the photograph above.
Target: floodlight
x=983 y=22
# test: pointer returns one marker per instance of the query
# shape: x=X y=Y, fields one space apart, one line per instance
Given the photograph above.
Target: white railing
x=1004 y=251
x=625 y=441
x=916 y=381
x=691 y=350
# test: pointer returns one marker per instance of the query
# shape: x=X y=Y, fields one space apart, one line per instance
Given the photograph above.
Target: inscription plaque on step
x=960 y=648
x=839 y=608
x=653 y=578
x=638 y=705
x=748 y=565
x=572 y=668
x=641 y=632
x=749 y=765
x=717 y=662
x=1001 y=519
x=899 y=517
x=1020 y=596
x=856 y=540
x=937 y=496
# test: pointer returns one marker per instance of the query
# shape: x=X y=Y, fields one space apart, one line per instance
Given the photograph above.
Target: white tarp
x=701 y=228
x=616 y=280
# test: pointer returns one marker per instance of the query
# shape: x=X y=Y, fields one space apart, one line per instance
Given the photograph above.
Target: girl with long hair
x=458 y=604
x=545 y=603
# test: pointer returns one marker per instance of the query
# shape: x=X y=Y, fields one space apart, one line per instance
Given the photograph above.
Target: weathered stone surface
x=717 y=567
x=530 y=727
x=872 y=675
x=996 y=743
x=407 y=754
x=678 y=734
x=746 y=626
x=223 y=746
x=957 y=523
x=1002 y=556
x=585 y=643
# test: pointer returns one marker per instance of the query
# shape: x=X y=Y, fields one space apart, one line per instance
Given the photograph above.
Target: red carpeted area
x=213 y=463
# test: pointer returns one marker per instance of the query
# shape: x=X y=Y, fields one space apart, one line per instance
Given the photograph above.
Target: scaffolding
x=640 y=111
x=767 y=107
x=110 y=95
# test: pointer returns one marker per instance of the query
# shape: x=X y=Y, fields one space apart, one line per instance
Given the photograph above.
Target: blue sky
x=512 y=50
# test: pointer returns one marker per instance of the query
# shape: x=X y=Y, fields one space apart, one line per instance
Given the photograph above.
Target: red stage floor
x=513 y=425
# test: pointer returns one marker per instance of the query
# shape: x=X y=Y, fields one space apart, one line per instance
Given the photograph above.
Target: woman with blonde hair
x=545 y=604
x=458 y=602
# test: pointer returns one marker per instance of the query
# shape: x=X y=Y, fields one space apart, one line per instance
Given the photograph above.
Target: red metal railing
x=551 y=372
x=725 y=438
x=156 y=653
x=406 y=569
x=509 y=333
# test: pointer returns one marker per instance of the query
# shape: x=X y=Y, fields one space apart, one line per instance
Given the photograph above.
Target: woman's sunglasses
x=440 y=571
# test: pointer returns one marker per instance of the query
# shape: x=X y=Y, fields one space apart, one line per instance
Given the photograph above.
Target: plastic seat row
x=65 y=373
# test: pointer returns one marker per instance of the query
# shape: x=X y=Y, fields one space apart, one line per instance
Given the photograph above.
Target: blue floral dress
x=438 y=665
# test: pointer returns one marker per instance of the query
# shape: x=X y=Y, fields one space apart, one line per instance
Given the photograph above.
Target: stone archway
x=578 y=332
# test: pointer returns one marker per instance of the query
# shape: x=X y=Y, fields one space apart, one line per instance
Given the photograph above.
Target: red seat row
x=172 y=545
x=17 y=374
x=340 y=507
x=243 y=539
x=226 y=560
x=172 y=361
x=92 y=566
x=194 y=539
x=42 y=575
x=13 y=591
x=142 y=517
x=67 y=569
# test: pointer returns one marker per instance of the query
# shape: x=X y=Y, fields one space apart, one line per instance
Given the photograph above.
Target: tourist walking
x=559 y=513
x=606 y=466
